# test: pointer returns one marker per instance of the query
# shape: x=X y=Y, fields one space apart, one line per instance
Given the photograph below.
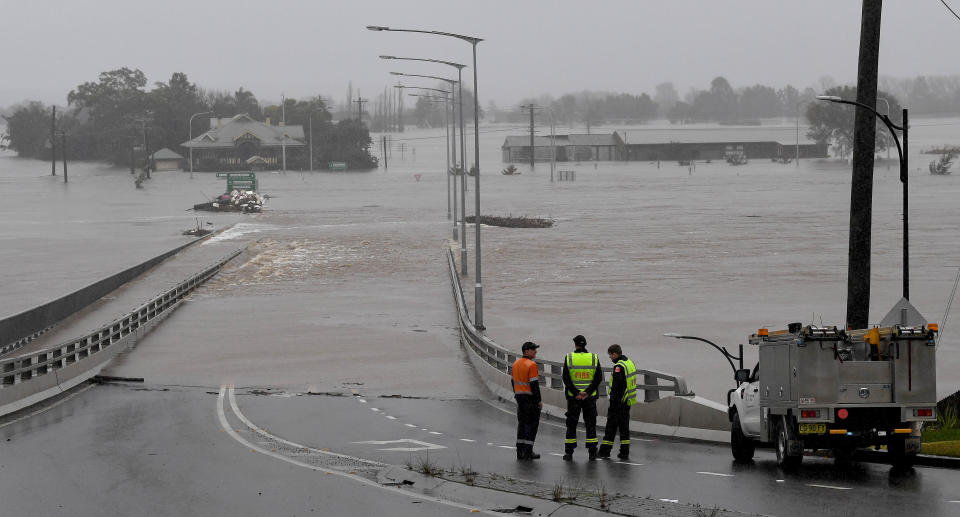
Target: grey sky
x=306 y=48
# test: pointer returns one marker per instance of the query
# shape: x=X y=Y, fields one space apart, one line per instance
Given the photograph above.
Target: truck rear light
x=902 y=431
x=842 y=413
x=809 y=413
x=838 y=431
x=923 y=412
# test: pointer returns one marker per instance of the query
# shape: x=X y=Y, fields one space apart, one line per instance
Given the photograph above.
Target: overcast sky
x=305 y=48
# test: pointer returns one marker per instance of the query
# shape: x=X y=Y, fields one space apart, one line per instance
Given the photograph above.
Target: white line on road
x=953 y=501
x=391 y=417
x=506 y=446
x=670 y=500
x=830 y=487
x=434 y=432
x=467 y=440
x=625 y=463
x=362 y=401
x=233 y=434
x=409 y=425
x=375 y=409
x=716 y=474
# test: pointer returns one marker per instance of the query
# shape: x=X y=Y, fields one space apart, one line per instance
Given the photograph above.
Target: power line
x=949 y=9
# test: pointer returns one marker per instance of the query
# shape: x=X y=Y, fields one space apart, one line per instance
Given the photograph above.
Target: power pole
x=63 y=150
x=360 y=100
x=53 y=142
x=861 y=190
x=533 y=153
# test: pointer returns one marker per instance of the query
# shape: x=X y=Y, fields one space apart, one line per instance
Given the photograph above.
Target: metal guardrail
x=551 y=371
x=21 y=369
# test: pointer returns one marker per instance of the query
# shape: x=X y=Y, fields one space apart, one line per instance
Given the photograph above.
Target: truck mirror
x=742 y=376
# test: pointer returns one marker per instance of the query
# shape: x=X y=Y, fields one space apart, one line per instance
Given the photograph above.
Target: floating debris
x=245 y=201
x=513 y=222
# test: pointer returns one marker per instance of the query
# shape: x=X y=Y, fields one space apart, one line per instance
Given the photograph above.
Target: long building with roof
x=662 y=144
x=237 y=142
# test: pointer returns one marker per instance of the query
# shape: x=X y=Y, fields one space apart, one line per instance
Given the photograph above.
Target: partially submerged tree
x=942 y=166
x=832 y=123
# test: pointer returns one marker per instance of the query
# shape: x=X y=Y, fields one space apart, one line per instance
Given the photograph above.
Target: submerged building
x=237 y=142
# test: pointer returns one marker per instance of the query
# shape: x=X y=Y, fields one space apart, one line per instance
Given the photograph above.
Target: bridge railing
x=34 y=366
x=654 y=382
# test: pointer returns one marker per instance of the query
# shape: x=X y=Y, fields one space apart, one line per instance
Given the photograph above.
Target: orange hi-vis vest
x=524 y=371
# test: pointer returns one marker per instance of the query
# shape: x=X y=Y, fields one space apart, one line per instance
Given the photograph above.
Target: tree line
x=107 y=118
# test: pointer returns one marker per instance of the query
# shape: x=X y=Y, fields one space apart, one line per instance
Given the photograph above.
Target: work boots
x=591 y=453
x=624 y=452
x=604 y=452
x=568 y=455
x=532 y=455
x=521 y=451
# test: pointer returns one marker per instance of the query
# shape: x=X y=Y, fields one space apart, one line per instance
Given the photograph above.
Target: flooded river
x=638 y=249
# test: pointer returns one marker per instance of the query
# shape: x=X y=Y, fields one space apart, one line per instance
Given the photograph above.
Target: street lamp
x=723 y=350
x=478 y=292
x=904 y=173
x=463 y=152
x=446 y=125
x=190 y=133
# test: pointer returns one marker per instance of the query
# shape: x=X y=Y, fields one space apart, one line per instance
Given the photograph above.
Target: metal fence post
x=650 y=395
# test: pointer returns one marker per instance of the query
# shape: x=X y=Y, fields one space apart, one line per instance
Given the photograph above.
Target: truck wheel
x=741 y=446
x=784 y=434
x=899 y=458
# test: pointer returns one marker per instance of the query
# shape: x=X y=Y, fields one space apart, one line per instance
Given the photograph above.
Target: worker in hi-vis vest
x=582 y=376
x=526 y=389
x=623 y=394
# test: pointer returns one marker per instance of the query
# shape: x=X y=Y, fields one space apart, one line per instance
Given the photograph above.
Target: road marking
x=670 y=500
x=362 y=401
x=233 y=434
x=261 y=432
x=423 y=428
x=409 y=425
x=375 y=409
x=434 y=432
x=391 y=417
x=830 y=487
x=780 y=481
x=506 y=446
x=626 y=463
x=716 y=474
x=421 y=446
x=467 y=440
x=953 y=501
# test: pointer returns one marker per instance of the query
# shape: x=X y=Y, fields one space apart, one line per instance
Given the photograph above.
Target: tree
x=29 y=130
x=172 y=104
x=666 y=97
x=116 y=111
x=833 y=122
x=759 y=101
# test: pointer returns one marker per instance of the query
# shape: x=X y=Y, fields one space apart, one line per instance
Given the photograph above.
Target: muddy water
x=346 y=269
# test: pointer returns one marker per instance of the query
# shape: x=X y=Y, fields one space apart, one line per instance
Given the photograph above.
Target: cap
x=529 y=345
x=579 y=340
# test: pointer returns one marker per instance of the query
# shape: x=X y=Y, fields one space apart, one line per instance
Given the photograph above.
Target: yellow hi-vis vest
x=630 y=371
x=582 y=367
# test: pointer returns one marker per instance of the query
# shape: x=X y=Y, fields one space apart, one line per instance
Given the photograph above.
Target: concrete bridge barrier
x=19 y=329
x=32 y=377
x=669 y=407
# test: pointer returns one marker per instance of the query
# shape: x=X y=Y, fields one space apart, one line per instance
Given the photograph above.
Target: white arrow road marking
x=716 y=474
x=421 y=446
x=830 y=487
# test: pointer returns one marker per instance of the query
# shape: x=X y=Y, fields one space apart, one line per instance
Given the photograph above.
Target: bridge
x=345 y=409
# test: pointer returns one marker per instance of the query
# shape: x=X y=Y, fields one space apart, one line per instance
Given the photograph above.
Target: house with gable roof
x=231 y=143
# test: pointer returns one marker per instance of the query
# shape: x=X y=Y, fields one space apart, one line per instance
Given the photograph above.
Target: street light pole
x=478 y=296
x=723 y=350
x=904 y=174
x=190 y=133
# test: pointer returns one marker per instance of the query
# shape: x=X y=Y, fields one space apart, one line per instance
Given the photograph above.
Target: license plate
x=813 y=428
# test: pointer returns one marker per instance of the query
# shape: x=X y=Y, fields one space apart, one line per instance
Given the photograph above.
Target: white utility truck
x=823 y=388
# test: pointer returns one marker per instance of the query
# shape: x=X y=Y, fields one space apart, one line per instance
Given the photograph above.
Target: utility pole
x=360 y=100
x=385 y=166
x=53 y=142
x=63 y=150
x=533 y=153
x=861 y=190
x=283 y=132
